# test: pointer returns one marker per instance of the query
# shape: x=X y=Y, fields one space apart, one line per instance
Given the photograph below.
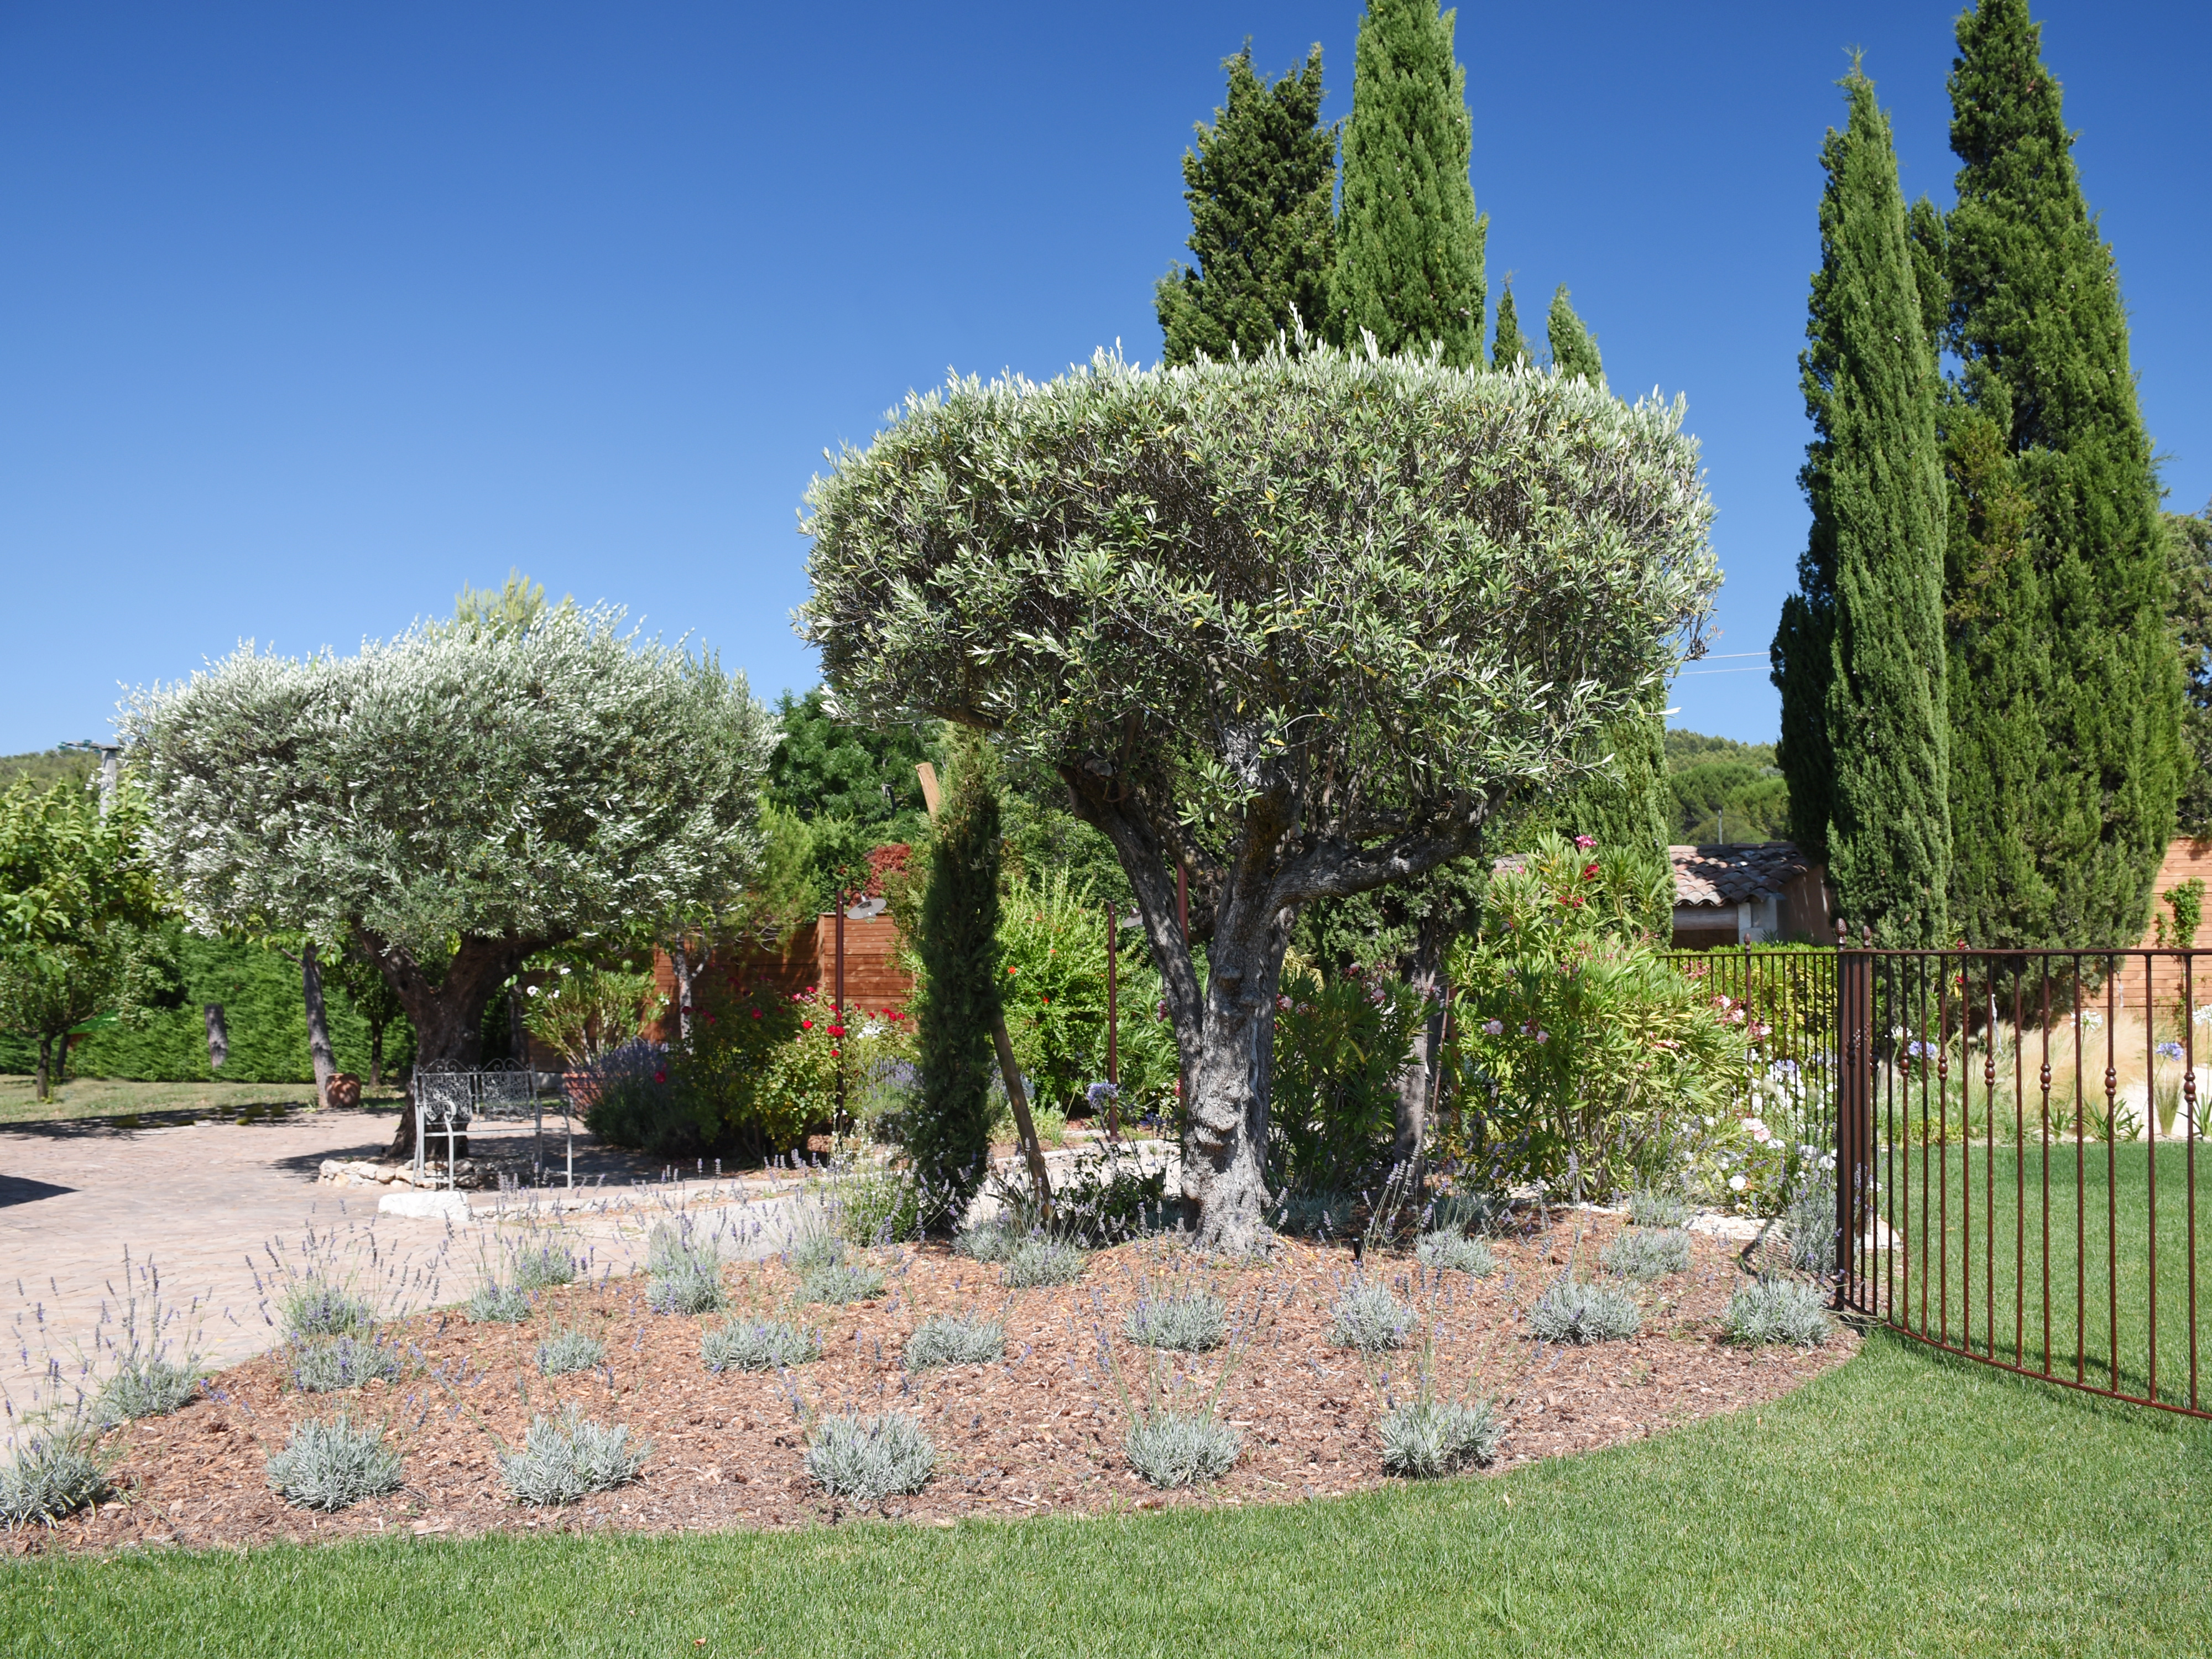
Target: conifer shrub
x=1180 y=1449
x=565 y=1460
x=955 y=1339
x=758 y=1344
x=869 y=1458
x=1367 y=1316
x=1571 y=1311
x=1424 y=1438
x=1647 y=1253
x=565 y=1350
x=1777 y=1310
x=52 y=1476
x=851 y=1282
x=1194 y=1322
x=330 y=1464
x=328 y=1364
x=1453 y=1252
x=1040 y=1261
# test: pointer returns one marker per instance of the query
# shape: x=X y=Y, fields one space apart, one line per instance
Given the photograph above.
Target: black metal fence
x=2016 y=1139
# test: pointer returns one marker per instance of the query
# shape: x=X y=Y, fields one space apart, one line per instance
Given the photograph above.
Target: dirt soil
x=1040 y=1431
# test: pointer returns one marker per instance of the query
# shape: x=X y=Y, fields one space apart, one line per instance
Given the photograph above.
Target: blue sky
x=312 y=313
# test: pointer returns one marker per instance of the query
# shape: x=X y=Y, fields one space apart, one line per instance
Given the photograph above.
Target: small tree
x=370 y=992
x=1295 y=626
x=1508 y=349
x=451 y=802
x=1573 y=350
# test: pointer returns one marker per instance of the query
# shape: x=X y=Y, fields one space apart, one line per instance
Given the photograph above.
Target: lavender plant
x=988 y=1241
x=853 y=1282
x=327 y=1364
x=1453 y=1252
x=310 y=1306
x=1649 y=1206
x=1571 y=1311
x=869 y=1458
x=1194 y=1323
x=52 y=1474
x=1646 y=1253
x=1313 y=1215
x=567 y=1350
x=1367 y=1316
x=542 y=1265
x=145 y=1384
x=692 y=1288
x=758 y=1344
x=1180 y=1449
x=498 y=1304
x=327 y=1464
x=955 y=1339
x=1425 y=1437
x=565 y=1460
x=1809 y=1229
x=1777 y=1310
x=1040 y=1261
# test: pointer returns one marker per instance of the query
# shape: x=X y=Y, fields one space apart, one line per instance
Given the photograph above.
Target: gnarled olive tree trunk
x=447 y=1011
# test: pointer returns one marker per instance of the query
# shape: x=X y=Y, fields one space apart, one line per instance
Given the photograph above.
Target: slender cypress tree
x=1507 y=348
x=2189 y=538
x=1874 y=475
x=1408 y=240
x=2064 y=683
x=948 y=1135
x=1573 y=350
x=1261 y=184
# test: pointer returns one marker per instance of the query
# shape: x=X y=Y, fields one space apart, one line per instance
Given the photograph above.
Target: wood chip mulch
x=1040 y=1431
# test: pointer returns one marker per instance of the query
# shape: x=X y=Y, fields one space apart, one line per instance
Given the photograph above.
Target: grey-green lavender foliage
x=988 y=1241
x=1652 y=1207
x=1367 y=1316
x=1454 y=1252
x=145 y=1384
x=1777 y=1310
x=309 y=1306
x=1472 y=1210
x=1180 y=1449
x=955 y=1339
x=880 y=1206
x=543 y=1265
x=1038 y=1261
x=566 y=1459
x=1314 y=1215
x=812 y=1252
x=852 y=1281
x=1572 y=1311
x=1194 y=1321
x=1647 y=1253
x=1809 y=1229
x=566 y=1350
x=1426 y=1437
x=326 y=1364
x=869 y=1458
x=687 y=1291
x=328 y=1464
x=52 y=1474
x=758 y=1344
x=493 y=1304
x=678 y=1246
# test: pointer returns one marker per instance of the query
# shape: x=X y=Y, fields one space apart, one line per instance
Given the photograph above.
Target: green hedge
x=263 y=1014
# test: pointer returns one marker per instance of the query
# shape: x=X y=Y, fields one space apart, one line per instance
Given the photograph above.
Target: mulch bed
x=1038 y=1432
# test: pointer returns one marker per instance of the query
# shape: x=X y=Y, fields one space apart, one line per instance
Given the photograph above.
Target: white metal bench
x=448 y=1098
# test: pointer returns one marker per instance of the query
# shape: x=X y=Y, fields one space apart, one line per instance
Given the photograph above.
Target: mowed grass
x=91 y=1097
x=1905 y=1503
x=1974 y=1266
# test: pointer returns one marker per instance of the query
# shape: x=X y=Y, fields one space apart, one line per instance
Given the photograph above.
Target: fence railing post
x=1854 y=1090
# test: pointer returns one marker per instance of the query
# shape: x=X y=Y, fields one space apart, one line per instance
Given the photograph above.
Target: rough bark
x=218 y=1037
x=1424 y=970
x=45 y=1063
x=447 y=1010
x=319 y=1024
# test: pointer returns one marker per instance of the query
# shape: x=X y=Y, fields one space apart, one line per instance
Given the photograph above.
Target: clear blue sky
x=311 y=314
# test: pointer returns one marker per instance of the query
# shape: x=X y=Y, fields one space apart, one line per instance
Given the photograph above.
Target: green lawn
x=1906 y=1504
x=84 y=1097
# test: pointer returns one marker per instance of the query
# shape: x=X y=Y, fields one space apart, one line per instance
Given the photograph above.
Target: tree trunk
x=218 y=1037
x=447 y=1013
x=46 y=1058
x=376 y=1054
x=319 y=1025
x=1423 y=971
x=679 y=961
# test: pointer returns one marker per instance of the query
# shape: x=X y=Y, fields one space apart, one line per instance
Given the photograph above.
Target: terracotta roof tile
x=1727 y=875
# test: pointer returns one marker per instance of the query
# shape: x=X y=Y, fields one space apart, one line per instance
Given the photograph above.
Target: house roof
x=1719 y=876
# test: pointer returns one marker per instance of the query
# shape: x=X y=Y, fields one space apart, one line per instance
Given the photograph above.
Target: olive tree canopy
x=451 y=801
x=1297 y=624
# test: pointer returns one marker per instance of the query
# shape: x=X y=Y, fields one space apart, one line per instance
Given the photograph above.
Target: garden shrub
x=1651 y=1206
x=327 y=1464
x=1314 y=1215
x=326 y=1364
x=989 y=1242
x=1777 y=1310
x=52 y=1474
x=1571 y=1311
x=629 y=1102
x=870 y=1458
x=1809 y=1229
x=562 y=1461
x=1367 y=1316
x=1453 y=1252
x=307 y=1306
x=678 y=1247
x=1472 y=1210
x=1647 y=1253
x=498 y=1304
x=145 y=1384
x=850 y=1281
x=955 y=1339
x=1423 y=1438
x=1340 y=1046
x=811 y=1252
x=544 y=1266
x=567 y=1350
x=1194 y=1323
x=1180 y=1449
x=692 y=1288
x=1040 y=1261
x=882 y=1206
x=757 y=1344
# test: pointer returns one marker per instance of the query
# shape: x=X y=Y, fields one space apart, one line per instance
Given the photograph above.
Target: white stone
x=429 y=1207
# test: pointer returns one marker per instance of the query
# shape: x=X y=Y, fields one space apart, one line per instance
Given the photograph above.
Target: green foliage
x=2189 y=542
x=1860 y=653
x=1040 y=1261
x=1052 y=949
x=1409 y=244
x=329 y=1465
x=146 y=1384
x=1576 y=1038
x=1649 y=1206
x=726 y=1074
x=52 y=1474
x=1508 y=349
x=1195 y=1322
x=1625 y=805
x=823 y=768
x=845 y=1282
x=1451 y=1251
x=581 y=1010
x=566 y=1460
x=954 y=1340
x=308 y=1306
x=1729 y=799
x=43 y=768
x=1261 y=184
x=330 y=1364
x=564 y=1352
x=1573 y=350
x=492 y=1303
x=947 y=1132
x=1341 y=1044
x=2057 y=588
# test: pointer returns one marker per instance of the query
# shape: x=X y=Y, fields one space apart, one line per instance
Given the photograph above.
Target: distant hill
x=1724 y=788
x=44 y=769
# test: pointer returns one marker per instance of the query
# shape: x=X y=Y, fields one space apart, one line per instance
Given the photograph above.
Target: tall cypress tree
x=2065 y=685
x=1261 y=184
x=1507 y=348
x=1862 y=645
x=948 y=1133
x=1573 y=350
x=1408 y=240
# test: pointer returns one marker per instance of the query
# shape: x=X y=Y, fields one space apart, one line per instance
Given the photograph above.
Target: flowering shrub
x=1339 y=1047
x=1575 y=1039
x=1052 y=952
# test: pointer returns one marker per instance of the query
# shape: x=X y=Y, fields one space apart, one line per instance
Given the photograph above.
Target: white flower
x=1737 y=1183
x=1829 y=1162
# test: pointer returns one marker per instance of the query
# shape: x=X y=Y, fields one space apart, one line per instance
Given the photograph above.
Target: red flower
x=832 y=1054
x=756 y=1013
x=661 y=1076
x=836 y=1031
x=1590 y=873
x=805 y=1024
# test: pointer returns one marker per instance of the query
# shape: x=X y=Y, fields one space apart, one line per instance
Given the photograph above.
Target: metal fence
x=1784 y=1000
x=2016 y=1144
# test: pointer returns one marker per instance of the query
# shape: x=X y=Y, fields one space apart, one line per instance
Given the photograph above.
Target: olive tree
x=449 y=803
x=1295 y=626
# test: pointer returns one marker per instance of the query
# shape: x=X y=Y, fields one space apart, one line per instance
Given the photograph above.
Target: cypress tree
x=2065 y=685
x=1874 y=563
x=1508 y=348
x=947 y=1134
x=2189 y=540
x=1261 y=185
x=1408 y=240
x=1573 y=351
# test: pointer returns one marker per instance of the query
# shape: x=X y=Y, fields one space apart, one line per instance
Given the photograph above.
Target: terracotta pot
x=343 y=1090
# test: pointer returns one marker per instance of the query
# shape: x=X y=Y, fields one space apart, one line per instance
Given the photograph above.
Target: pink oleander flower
x=1585 y=842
